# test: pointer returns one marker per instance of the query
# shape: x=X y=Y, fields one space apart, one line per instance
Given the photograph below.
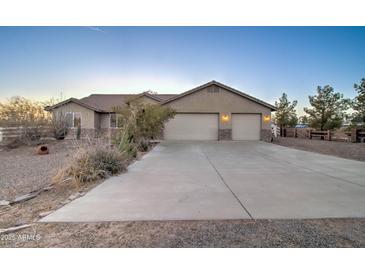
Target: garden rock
x=4 y=203
x=14 y=228
x=45 y=213
x=74 y=196
x=24 y=197
x=47 y=188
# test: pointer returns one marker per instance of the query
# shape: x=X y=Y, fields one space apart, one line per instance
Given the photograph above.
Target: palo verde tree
x=359 y=102
x=286 y=114
x=19 y=111
x=328 y=109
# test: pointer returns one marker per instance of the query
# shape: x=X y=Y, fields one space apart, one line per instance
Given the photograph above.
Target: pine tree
x=286 y=114
x=303 y=120
x=327 y=109
x=359 y=101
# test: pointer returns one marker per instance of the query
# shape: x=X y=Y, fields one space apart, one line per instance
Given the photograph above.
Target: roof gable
x=73 y=100
x=215 y=83
x=149 y=95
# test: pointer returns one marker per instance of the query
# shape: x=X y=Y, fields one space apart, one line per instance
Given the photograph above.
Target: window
x=69 y=119
x=77 y=119
x=114 y=120
x=73 y=119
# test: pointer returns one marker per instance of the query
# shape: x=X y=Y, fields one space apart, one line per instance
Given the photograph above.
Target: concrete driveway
x=225 y=180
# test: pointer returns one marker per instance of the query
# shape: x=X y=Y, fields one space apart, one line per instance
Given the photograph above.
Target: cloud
x=96 y=29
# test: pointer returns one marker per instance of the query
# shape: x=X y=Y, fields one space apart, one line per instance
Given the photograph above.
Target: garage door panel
x=246 y=126
x=192 y=127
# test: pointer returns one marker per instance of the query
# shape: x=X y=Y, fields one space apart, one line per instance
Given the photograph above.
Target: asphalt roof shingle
x=107 y=102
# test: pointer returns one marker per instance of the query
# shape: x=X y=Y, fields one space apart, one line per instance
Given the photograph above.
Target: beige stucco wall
x=91 y=119
x=96 y=120
x=224 y=102
x=87 y=115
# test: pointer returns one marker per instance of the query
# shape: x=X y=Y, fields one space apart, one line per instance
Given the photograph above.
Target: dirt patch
x=354 y=151
x=238 y=233
x=28 y=211
x=23 y=170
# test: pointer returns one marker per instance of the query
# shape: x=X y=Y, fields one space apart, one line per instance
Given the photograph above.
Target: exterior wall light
x=225 y=117
x=267 y=118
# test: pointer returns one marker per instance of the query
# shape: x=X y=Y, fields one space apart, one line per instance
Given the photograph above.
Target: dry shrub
x=93 y=163
x=29 y=116
x=13 y=144
x=59 y=126
x=19 y=111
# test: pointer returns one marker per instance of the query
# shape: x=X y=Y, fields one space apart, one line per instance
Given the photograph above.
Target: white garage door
x=246 y=126
x=192 y=127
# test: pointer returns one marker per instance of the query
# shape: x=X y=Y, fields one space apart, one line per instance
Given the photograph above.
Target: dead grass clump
x=15 y=143
x=93 y=163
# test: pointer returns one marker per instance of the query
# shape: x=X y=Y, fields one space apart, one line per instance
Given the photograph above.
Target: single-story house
x=212 y=111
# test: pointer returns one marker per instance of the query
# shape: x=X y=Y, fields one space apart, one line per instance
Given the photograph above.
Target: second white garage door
x=192 y=127
x=246 y=126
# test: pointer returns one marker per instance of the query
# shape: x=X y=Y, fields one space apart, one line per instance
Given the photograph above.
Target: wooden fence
x=358 y=135
x=355 y=135
x=8 y=134
x=302 y=133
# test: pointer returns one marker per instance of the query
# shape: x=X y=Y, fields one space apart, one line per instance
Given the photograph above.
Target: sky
x=53 y=62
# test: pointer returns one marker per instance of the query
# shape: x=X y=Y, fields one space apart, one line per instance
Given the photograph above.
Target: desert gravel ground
x=240 y=233
x=23 y=171
x=28 y=211
x=354 y=151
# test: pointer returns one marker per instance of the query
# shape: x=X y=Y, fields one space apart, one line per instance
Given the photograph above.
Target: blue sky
x=43 y=62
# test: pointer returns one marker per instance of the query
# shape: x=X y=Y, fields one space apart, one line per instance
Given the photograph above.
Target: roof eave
x=76 y=101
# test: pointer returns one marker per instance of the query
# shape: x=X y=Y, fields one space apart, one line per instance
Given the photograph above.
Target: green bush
x=139 y=124
x=143 y=145
x=60 y=133
x=150 y=121
x=124 y=143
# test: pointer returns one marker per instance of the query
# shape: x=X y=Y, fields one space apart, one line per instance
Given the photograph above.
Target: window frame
x=116 y=120
x=73 y=118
